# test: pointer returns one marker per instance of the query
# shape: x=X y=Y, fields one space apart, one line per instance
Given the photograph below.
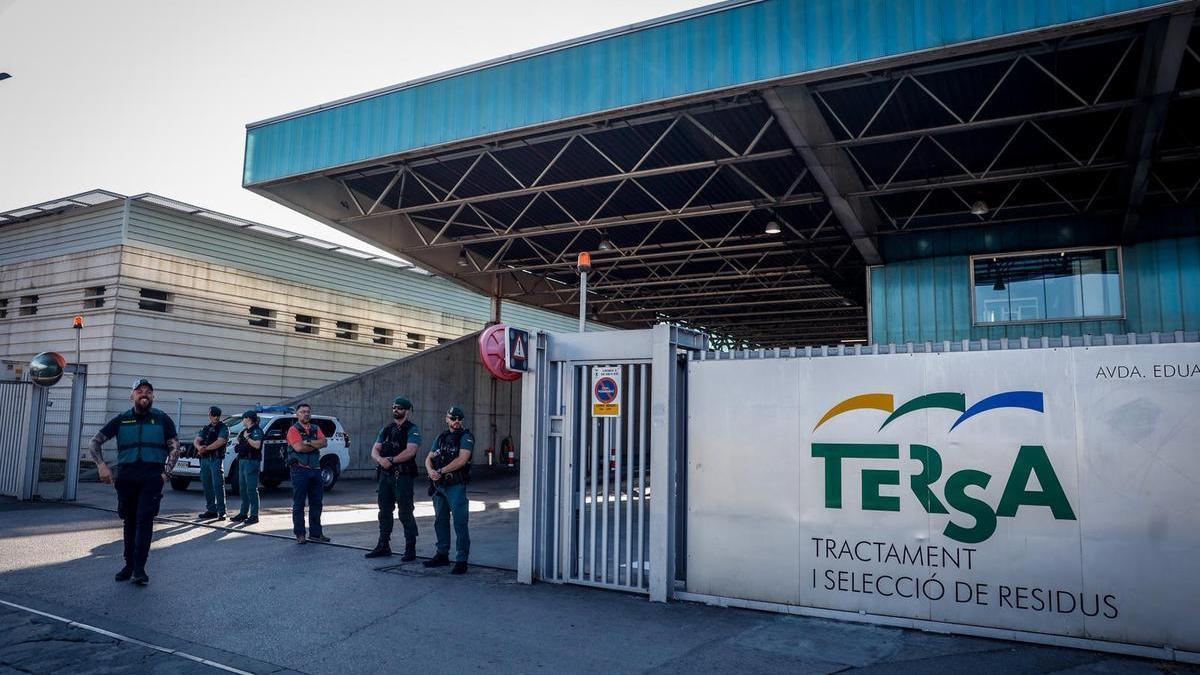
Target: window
x=261 y=317
x=346 y=330
x=155 y=301
x=279 y=427
x=3 y=308
x=383 y=336
x=93 y=298
x=28 y=305
x=1050 y=286
x=327 y=427
x=443 y=340
x=416 y=341
x=306 y=324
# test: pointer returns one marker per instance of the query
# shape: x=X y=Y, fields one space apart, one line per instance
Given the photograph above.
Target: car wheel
x=180 y=484
x=329 y=473
x=271 y=483
x=235 y=487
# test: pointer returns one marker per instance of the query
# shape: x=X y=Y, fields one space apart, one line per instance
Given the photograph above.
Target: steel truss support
x=1162 y=55
x=798 y=116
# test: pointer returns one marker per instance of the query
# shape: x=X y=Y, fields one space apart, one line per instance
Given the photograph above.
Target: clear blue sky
x=154 y=95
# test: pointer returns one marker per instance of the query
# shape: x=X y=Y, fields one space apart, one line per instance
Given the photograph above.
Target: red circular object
x=491 y=352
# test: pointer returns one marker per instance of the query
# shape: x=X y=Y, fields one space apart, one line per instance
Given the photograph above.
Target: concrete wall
x=435 y=379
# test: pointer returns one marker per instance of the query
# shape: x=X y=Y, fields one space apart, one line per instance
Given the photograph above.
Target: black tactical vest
x=395 y=441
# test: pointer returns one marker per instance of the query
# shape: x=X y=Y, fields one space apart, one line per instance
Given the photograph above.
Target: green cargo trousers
x=396 y=492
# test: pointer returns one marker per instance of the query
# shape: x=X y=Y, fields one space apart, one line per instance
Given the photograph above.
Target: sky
x=154 y=95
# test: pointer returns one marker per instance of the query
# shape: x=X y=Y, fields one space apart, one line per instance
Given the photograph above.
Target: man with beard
x=449 y=467
x=395 y=451
x=305 y=440
x=147 y=449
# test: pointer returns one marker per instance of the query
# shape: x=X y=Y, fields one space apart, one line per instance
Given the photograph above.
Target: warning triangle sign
x=519 y=348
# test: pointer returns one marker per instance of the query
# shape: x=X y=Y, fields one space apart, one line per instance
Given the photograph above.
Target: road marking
x=125 y=638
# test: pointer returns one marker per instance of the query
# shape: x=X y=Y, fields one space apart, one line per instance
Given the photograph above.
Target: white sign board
x=606 y=391
x=1049 y=491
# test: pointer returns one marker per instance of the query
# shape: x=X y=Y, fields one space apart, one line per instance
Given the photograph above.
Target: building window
x=306 y=324
x=383 y=336
x=152 y=300
x=261 y=317
x=346 y=330
x=93 y=298
x=3 y=308
x=416 y=341
x=443 y=340
x=28 y=305
x=1068 y=285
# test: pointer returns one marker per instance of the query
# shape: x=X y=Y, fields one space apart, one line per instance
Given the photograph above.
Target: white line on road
x=125 y=638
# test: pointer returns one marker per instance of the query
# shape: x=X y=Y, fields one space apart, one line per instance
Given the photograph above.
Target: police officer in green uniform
x=210 y=445
x=449 y=467
x=395 y=451
x=147 y=449
x=248 y=446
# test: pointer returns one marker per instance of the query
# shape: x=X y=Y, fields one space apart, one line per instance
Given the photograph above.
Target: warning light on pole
x=77 y=322
x=584 y=262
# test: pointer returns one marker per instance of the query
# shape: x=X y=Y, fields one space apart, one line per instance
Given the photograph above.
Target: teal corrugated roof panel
x=720 y=47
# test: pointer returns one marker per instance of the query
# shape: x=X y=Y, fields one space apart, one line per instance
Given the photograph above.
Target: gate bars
x=600 y=496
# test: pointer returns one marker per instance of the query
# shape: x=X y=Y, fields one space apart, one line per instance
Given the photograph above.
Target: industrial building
x=918 y=206
x=213 y=309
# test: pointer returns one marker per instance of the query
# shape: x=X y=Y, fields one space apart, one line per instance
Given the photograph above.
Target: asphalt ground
x=223 y=600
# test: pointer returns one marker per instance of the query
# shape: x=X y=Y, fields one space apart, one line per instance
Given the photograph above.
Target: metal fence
x=14 y=418
x=948 y=346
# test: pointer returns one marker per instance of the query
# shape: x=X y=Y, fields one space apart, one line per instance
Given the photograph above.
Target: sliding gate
x=600 y=488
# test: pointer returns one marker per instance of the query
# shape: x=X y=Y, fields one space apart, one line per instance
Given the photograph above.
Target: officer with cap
x=395 y=451
x=449 y=467
x=147 y=449
x=210 y=445
x=248 y=447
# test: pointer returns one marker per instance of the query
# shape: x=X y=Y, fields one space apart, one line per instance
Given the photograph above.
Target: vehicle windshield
x=234 y=423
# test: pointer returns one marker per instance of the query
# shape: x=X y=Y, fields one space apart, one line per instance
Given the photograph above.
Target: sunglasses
x=453 y=418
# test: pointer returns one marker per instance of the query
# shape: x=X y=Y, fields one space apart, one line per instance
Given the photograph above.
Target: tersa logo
x=1030 y=460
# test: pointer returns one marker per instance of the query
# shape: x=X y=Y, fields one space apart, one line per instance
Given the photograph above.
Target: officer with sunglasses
x=395 y=453
x=449 y=467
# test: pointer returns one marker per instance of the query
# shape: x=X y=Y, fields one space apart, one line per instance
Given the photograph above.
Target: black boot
x=124 y=574
x=410 y=550
x=439 y=560
x=381 y=549
x=460 y=567
x=140 y=577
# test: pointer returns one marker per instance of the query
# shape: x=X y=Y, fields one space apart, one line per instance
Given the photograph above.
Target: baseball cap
x=455 y=411
x=402 y=402
x=214 y=410
x=251 y=415
x=142 y=382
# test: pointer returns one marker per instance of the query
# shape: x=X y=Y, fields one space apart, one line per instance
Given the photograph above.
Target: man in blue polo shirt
x=147 y=449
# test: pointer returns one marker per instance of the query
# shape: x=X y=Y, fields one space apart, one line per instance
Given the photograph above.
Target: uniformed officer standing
x=305 y=440
x=395 y=451
x=210 y=448
x=449 y=467
x=248 y=446
x=147 y=449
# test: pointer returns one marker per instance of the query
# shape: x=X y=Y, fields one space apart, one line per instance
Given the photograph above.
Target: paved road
x=264 y=604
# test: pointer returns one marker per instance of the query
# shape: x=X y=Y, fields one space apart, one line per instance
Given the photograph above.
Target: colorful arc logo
x=956 y=401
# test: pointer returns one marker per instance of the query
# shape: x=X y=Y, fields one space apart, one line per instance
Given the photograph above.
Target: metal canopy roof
x=673 y=200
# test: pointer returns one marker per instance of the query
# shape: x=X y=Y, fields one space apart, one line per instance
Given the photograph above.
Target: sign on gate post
x=606 y=391
x=516 y=349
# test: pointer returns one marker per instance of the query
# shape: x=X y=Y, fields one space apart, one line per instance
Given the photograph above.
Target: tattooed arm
x=97 y=456
x=171 y=458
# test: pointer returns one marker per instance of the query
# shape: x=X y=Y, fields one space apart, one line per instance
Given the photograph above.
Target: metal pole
x=583 y=301
x=179 y=413
x=75 y=432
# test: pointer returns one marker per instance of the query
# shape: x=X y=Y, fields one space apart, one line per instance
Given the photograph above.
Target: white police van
x=275 y=422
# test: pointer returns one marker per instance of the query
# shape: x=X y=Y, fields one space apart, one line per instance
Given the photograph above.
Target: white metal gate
x=587 y=516
x=14 y=418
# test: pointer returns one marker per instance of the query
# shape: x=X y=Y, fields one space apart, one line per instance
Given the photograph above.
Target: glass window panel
x=1053 y=286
